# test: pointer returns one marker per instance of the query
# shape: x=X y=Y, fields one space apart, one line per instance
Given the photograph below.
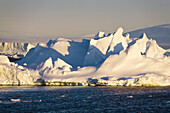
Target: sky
x=74 y=18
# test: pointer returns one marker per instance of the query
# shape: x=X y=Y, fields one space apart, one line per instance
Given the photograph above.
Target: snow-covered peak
x=142 y=43
x=127 y=35
x=143 y=36
x=100 y=34
x=118 y=42
x=127 y=38
x=154 y=50
x=101 y=48
x=119 y=31
x=118 y=36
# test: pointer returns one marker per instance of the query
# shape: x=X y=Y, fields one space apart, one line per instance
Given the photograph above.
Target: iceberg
x=112 y=59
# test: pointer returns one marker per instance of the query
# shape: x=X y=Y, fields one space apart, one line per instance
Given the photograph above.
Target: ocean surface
x=84 y=99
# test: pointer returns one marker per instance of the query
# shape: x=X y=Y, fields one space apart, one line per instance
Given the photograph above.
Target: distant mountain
x=160 y=33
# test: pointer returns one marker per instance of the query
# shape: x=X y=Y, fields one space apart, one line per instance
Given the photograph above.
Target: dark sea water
x=84 y=99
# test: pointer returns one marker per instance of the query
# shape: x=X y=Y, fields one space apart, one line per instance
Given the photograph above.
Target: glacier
x=113 y=59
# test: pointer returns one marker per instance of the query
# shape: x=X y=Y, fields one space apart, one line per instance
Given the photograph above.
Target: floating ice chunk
x=15 y=100
x=130 y=96
x=20 y=67
x=150 y=96
x=25 y=64
x=62 y=96
x=168 y=102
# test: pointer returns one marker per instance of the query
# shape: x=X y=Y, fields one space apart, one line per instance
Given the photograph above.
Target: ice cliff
x=15 y=49
x=12 y=74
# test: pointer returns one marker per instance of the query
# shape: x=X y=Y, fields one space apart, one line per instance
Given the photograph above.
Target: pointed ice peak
x=127 y=35
x=119 y=31
x=154 y=50
x=143 y=36
x=100 y=34
x=127 y=38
